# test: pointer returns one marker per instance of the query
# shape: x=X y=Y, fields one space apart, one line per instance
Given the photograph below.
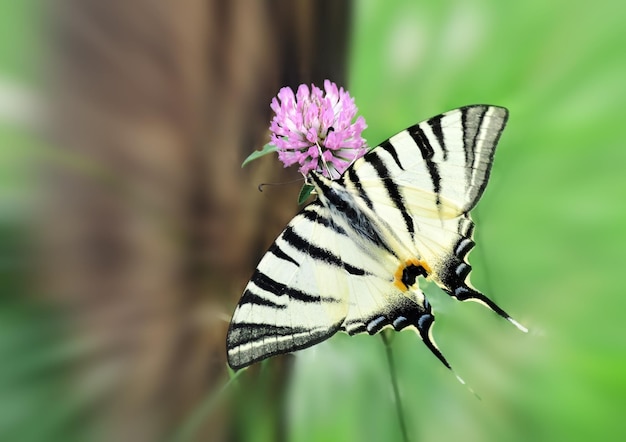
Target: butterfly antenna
x=262 y=185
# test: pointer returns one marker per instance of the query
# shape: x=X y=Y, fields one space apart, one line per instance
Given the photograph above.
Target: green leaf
x=268 y=148
x=305 y=192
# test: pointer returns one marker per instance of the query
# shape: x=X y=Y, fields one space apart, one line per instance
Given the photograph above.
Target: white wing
x=314 y=281
x=423 y=182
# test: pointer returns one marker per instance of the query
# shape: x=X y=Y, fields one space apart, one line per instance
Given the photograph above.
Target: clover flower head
x=315 y=129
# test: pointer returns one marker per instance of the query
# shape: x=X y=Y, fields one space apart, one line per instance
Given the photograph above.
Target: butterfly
x=350 y=261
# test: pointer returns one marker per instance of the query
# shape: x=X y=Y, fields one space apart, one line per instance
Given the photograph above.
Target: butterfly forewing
x=301 y=291
x=448 y=156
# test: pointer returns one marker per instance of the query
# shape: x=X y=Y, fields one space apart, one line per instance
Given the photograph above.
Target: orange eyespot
x=406 y=274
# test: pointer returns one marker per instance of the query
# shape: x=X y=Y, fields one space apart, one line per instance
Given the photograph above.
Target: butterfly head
x=330 y=192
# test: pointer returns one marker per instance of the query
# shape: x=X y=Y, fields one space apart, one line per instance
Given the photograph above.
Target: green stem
x=394 y=383
x=199 y=415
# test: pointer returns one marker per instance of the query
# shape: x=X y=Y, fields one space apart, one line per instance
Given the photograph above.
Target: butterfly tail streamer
x=465 y=293
x=425 y=330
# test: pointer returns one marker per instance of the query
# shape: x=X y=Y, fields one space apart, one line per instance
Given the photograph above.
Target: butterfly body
x=351 y=260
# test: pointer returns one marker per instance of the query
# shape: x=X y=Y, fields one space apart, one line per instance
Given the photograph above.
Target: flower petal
x=315 y=129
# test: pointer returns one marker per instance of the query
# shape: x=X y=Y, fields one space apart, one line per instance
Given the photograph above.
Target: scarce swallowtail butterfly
x=350 y=261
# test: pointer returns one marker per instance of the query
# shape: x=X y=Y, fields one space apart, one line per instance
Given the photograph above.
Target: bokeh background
x=118 y=276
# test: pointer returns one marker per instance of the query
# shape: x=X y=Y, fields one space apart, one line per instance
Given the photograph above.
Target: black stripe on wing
x=251 y=342
x=354 y=178
x=482 y=126
x=264 y=282
x=387 y=146
x=471 y=121
x=249 y=297
x=422 y=142
x=261 y=330
x=393 y=191
x=311 y=213
x=280 y=254
x=435 y=126
x=344 y=208
x=318 y=253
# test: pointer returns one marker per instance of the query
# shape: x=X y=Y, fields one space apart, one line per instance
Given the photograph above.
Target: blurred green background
x=550 y=232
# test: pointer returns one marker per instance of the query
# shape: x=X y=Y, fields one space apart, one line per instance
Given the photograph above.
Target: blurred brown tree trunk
x=151 y=227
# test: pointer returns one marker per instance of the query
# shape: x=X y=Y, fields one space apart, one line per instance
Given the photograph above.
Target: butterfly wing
x=315 y=280
x=423 y=182
x=437 y=168
x=285 y=306
x=345 y=262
